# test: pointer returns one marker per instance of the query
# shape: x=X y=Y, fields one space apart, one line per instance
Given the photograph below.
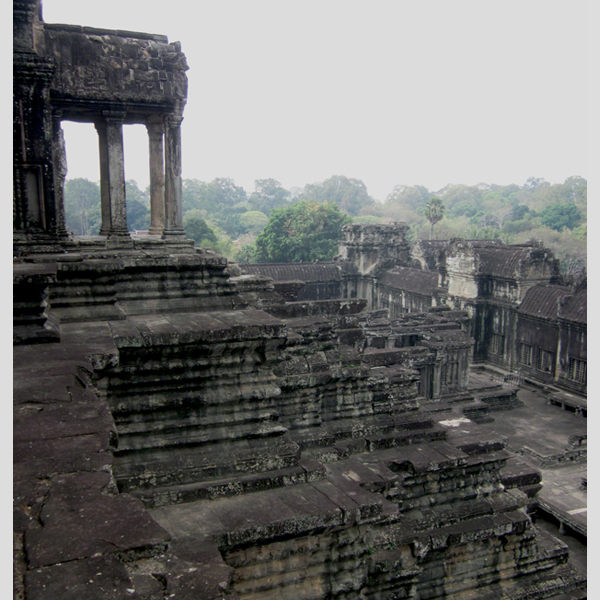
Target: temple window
x=497 y=343
x=578 y=370
x=545 y=361
x=449 y=374
x=526 y=354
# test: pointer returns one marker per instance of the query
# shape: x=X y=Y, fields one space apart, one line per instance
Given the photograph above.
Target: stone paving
x=563 y=495
x=541 y=434
x=538 y=425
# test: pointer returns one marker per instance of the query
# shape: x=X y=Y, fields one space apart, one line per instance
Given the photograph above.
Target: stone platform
x=72 y=523
x=256 y=457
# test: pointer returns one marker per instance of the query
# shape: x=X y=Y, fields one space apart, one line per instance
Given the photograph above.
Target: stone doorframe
x=164 y=138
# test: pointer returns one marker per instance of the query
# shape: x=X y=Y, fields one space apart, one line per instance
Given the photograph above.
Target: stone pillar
x=116 y=175
x=60 y=172
x=104 y=181
x=173 y=185
x=157 y=177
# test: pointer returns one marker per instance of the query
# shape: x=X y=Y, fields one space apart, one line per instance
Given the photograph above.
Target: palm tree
x=434 y=212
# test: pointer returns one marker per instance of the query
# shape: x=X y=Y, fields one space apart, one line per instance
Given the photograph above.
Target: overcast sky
x=425 y=92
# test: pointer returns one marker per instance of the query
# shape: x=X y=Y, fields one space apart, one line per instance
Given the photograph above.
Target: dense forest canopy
x=243 y=226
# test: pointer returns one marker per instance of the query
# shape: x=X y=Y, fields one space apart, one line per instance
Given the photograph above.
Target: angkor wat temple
x=186 y=427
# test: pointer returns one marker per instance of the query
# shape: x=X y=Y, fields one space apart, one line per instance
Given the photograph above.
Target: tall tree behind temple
x=268 y=194
x=138 y=207
x=220 y=201
x=349 y=195
x=82 y=206
x=434 y=212
x=305 y=231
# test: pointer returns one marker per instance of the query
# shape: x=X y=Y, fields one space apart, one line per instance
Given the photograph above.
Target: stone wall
x=491 y=281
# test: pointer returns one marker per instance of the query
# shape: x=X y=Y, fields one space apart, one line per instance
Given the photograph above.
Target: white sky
x=425 y=92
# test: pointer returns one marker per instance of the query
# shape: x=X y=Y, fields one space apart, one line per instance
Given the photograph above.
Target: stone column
x=173 y=185
x=59 y=159
x=116 y=175
x=104 y=181
x=157 y=176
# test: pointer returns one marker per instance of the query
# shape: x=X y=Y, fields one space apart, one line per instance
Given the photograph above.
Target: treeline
x=279 y=225
x=553 y=213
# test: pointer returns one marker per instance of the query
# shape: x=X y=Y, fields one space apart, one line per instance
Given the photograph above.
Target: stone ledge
x=176 y=329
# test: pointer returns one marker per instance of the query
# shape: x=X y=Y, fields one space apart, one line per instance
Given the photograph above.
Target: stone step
x=229 y=396
x=564 y=583
x=375 y=357
x=163 y=423
x=197 y=435
x=442 y=515
x=188 y=464
x=276 y=514
x=519 y=474
x=504 y=401
x=391 y=440
x=478 y=414
x=332 y=432
x=307 y=471
x=480 y=442
x=478 y=576
x=456 y=397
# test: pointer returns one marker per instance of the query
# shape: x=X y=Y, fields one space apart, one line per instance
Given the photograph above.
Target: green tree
x=559 y=216
x=138 y=207
x=133 y=192
x=434 y=212
x=254 y=221
x=408 y=197
x=349 y=195
x=196 y=195
x=268 y=194
x=82 y=202
x=517 y=226
x=197 y=229
x=306 y=231
x=245 y=254
x=518 y=212
x=219 y=197
x=138 y=216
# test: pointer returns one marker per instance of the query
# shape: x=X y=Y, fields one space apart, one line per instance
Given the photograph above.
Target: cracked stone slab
x=99 y=578
x=80 y=521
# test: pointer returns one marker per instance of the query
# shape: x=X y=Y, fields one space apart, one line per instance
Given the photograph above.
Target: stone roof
x=574 y=307
x=543 y=301
x=506 y=261
x=411 y=280
x=307 y=272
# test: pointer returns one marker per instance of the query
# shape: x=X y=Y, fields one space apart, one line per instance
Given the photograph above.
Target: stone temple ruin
x=185 y=427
